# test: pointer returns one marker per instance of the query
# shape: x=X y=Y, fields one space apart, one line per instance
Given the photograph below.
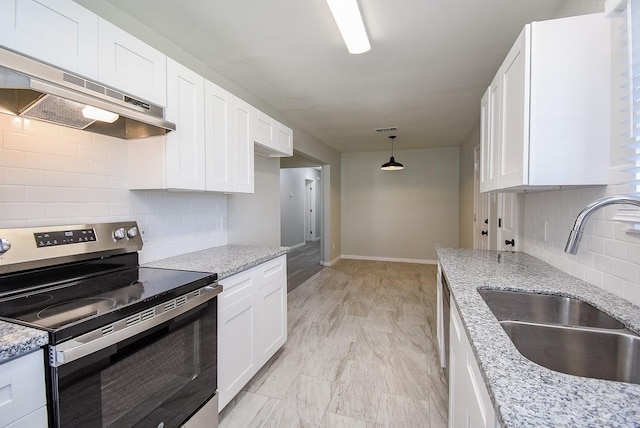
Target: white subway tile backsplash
x=53 y=175
x=43 y=194
x=626 y=270
x=33 y=177
x=12 y=193
x=607 y=257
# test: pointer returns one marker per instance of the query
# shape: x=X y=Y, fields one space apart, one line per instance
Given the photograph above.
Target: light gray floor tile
x=359 y=391
x=361 y=352
x=277 y=376
x=247 y=410
x=401 y=412
x=304 y=405
x=331 y=420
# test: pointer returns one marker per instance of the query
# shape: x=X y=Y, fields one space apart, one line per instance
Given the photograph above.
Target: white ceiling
x=429 y=63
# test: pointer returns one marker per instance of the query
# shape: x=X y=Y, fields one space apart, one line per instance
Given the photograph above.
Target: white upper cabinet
x=59 y=32
x=129 y=64
x=186 y=145
x=242 y=141
x=211 y=148
x=272 y=138
x=548 y=121
x=229 y=142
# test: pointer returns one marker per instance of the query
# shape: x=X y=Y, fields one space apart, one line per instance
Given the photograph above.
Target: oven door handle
x=99 y=339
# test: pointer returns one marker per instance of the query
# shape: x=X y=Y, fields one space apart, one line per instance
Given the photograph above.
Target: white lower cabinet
x=469 y=401
x=252 y=324
x=23 y=401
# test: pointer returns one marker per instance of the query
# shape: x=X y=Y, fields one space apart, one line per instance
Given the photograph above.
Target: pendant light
x=392 y=165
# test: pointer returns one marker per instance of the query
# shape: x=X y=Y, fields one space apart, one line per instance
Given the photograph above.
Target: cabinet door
x=285 y=140
x=514 y=120
x=485 y=148
x=265 y=130
x=22 y=386
x=242 y=144
x=131 y=65
x=469 y=401
x=186 y=145
x=273 y=309
x=218 y=105
x=59 y=32
x=236 y=348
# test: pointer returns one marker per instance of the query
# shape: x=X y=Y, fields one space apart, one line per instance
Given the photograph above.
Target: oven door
x=157 y=378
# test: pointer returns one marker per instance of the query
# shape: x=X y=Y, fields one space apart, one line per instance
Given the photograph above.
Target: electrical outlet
x=143 y=232
x=224 y=222
x=546 y=231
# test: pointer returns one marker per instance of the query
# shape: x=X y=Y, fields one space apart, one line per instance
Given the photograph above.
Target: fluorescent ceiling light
x=96 y=113
x=349 y=20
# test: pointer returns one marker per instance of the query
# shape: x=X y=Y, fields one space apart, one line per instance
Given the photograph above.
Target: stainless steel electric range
x=129 y=346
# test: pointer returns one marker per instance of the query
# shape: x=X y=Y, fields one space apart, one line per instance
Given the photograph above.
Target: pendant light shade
x=392 y=165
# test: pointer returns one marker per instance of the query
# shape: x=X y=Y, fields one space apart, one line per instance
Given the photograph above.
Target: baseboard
x=332 y=262
x=390 y=259
x=293 y=247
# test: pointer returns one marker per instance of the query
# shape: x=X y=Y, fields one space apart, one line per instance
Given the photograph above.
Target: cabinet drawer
x=22 y=389
x=236 y=288
x=274 y=270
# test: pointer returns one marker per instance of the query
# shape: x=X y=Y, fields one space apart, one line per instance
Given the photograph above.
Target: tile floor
x=361 y=352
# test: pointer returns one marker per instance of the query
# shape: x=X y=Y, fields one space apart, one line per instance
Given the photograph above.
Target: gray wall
x=400 y=215
x=255 y=218
x=292 y=200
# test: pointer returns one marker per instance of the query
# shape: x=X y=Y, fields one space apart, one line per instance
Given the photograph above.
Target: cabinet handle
x=512 y=242
x=484 y=232
x=486 y=221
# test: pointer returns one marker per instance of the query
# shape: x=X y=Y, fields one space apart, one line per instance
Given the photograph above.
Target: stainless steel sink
x=546 y=308
x=600 y=354
x=567 y=335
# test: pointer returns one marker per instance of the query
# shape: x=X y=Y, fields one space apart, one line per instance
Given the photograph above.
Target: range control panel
x=48 y=239
x=35 y=247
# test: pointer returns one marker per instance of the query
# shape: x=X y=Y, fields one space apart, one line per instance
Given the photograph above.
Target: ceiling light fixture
x=347 y=16
x=392 y=165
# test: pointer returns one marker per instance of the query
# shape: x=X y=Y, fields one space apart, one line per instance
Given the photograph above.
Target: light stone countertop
x=17 y=340
x=525 y=394
x=226 y=260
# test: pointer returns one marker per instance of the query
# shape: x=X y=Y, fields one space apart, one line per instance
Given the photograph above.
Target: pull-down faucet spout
x=576 y=232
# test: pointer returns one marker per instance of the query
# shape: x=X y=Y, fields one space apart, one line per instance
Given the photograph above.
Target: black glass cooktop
x=75 y=307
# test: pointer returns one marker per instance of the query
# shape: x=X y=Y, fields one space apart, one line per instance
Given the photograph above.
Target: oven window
x=160 y=377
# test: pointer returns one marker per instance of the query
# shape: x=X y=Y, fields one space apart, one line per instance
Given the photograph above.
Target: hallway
x=361 y=352
x=302 y=263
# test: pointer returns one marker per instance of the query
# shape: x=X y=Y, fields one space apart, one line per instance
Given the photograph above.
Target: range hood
x=34 y=90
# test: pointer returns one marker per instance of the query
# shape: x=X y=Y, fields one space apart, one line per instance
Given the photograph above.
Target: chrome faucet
x=576 y=232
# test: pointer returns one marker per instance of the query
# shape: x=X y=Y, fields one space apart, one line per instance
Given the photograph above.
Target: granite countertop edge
x=523 y=393
x=17 y=340
x=226 y=260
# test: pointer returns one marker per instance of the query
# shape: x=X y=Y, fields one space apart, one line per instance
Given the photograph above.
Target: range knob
x=133 y=232
x=119 y=234
x=5 y=245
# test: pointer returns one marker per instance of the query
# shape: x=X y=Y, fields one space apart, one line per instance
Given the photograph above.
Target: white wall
x=292 y=202
x=52 y=175
x=399 y=215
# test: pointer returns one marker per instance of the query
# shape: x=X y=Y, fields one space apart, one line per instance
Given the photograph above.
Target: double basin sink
x=567 y=335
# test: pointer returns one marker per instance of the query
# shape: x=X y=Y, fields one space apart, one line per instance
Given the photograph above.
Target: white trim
x=390 y=259
x=332 y=262
x=293 y=247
